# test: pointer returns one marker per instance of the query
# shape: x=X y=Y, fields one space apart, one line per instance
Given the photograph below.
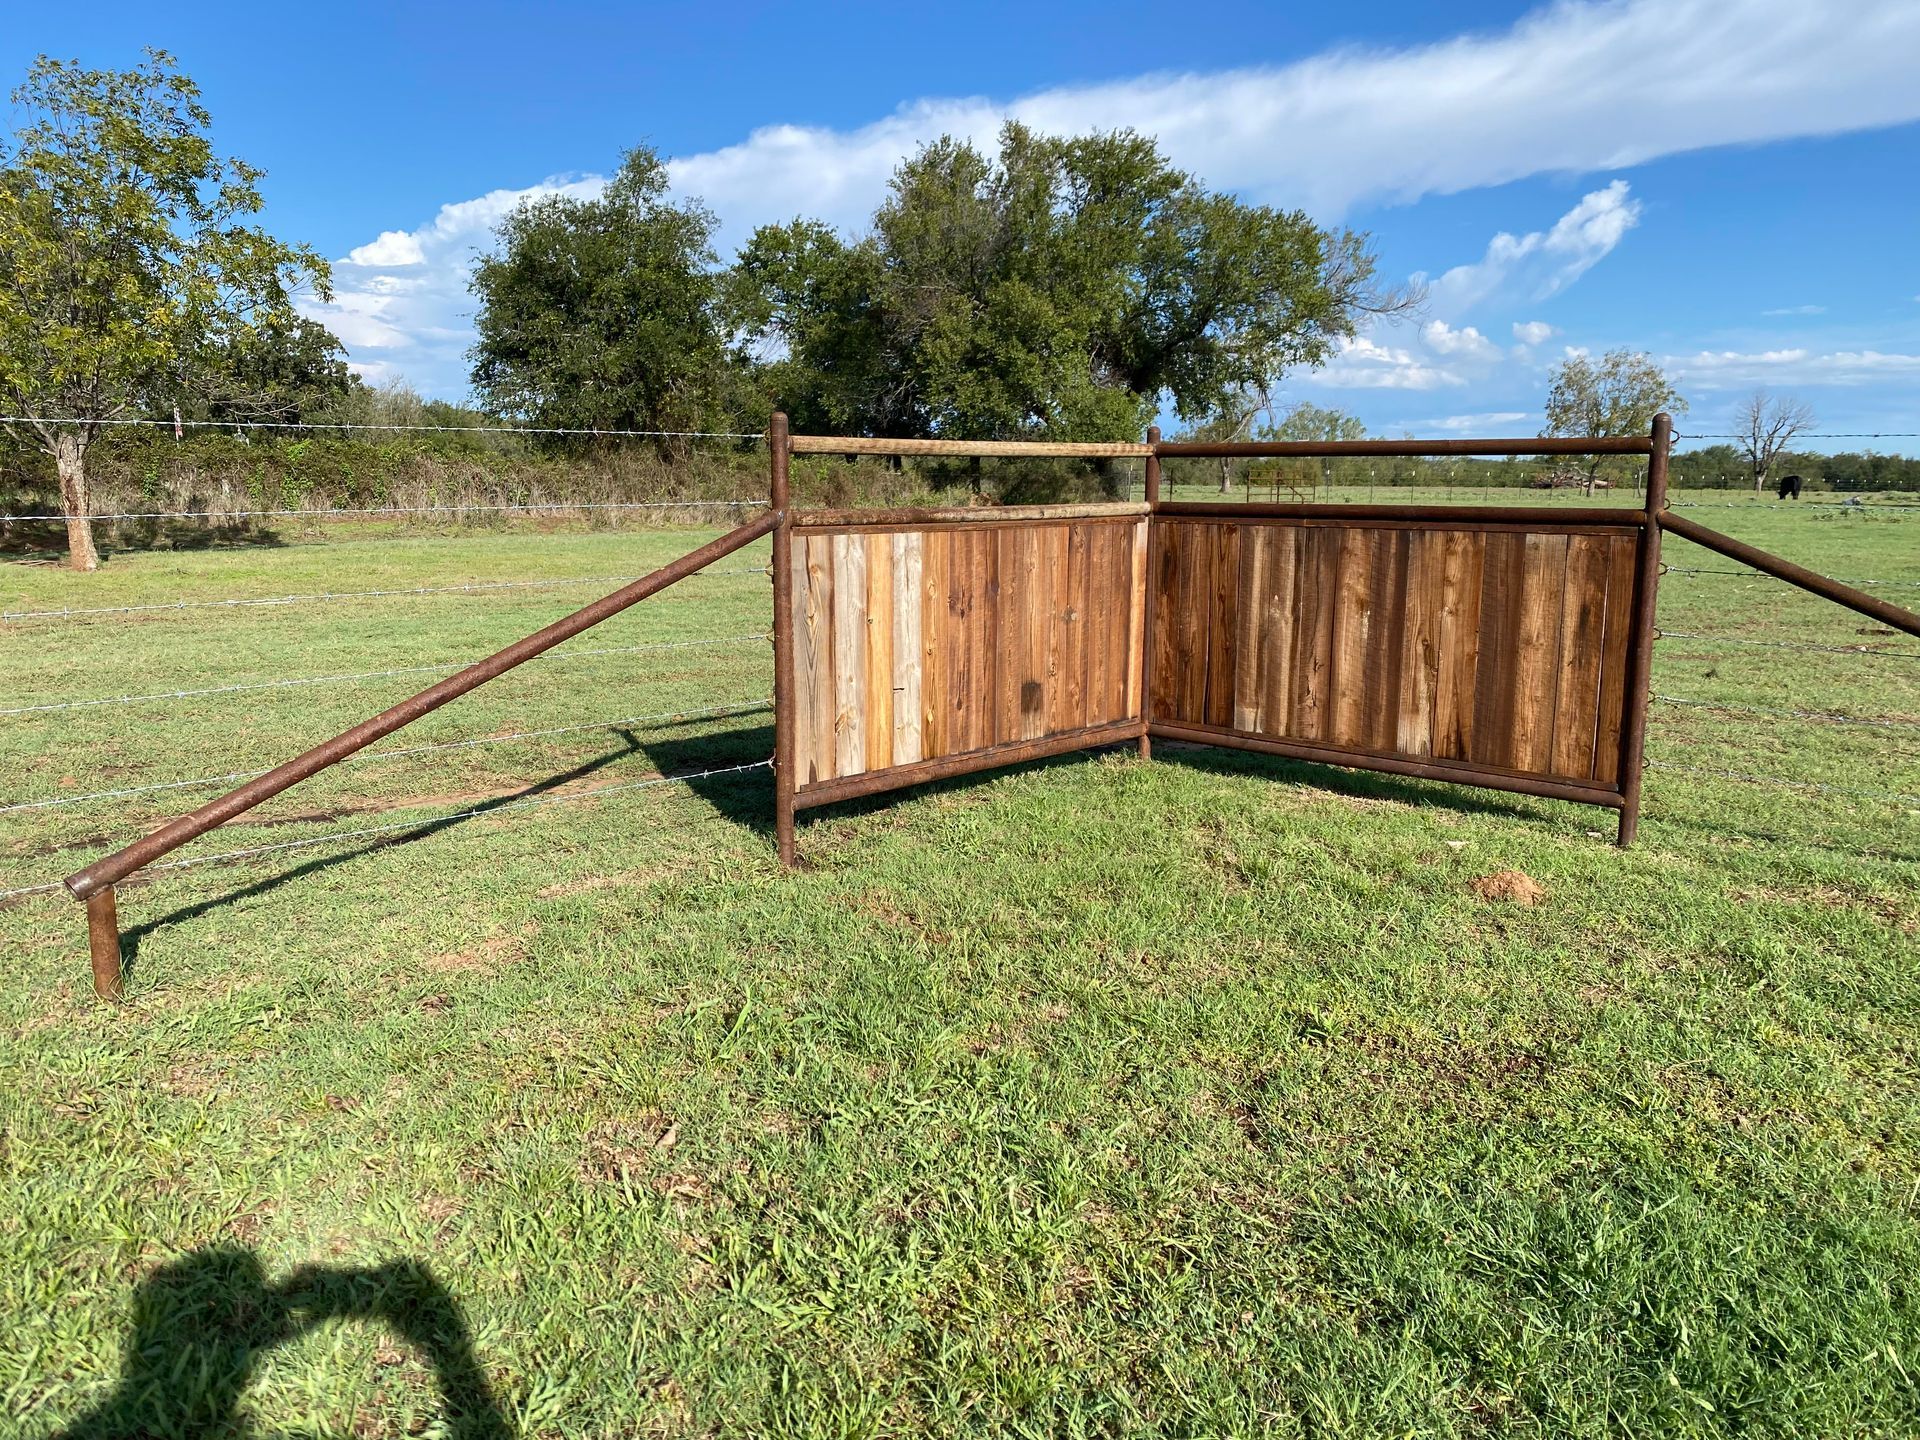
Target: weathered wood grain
x=909 y=719
x=878 y=624
x=1615 y=644
x=817 y=761
x=1583 y=614
x=849 y=556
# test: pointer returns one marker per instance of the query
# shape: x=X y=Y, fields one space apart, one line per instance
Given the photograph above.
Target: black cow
x=1790 y=487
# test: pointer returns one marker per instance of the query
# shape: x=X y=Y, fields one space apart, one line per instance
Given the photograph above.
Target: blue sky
x=1728 y=184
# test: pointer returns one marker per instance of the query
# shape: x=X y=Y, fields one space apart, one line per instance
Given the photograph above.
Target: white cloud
x=1797 y=310
x=1571 y=88
x=1731 y=369
x=1533 y=332
x=1362 y=364
x=1487 y=422
x=1541 y=263
x=393 y=247
x=1443 y=339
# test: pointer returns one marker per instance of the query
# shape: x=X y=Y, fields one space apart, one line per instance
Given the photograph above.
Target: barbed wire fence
x=26 y=621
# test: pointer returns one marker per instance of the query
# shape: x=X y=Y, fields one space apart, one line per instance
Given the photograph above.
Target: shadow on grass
x=202 y=1324
x=748 y=803
x=36 y=541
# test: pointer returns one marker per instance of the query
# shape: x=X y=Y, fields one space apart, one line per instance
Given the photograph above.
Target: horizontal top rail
x=969 y=515
x=1463 y=515
x=985 y=449
x=83 y=884
x=1328 y=449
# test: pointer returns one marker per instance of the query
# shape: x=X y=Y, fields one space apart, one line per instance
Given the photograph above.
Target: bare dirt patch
x=1514 y=887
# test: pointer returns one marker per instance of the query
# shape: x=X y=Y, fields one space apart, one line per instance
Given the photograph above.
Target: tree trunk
x=70 y=461
x=1226 y=476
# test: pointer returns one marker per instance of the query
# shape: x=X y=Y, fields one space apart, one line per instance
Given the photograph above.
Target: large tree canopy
x=1066 y=288
x=600 y=314
x=129 y=277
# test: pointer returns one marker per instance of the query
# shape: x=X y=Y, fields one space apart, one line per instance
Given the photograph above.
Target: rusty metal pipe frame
x=994 y=757
x=1646 y=604
x=103 y=940
x=1871 y=606
x=1151 y=494
x=1454 y=772
x=785 y=737
x=1532 y=517
x=83 y=884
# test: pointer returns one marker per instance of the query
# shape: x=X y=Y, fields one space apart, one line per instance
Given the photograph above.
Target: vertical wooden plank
x=1463 y=567
x=1386 y=638
x=1537 y=660
x=1250 y=651
x=803 y=676
x=936 y=638
x=1133 y=701
x=1496 y=691
x=849 y=653
x=908 y=718
x=1106 y=622
x=817 y=763
x=879 y=658
x=1615 y=644
x=1420 y=642
x=1068 y=707
x=1037 y=680
x=967 y=690
x=1173 y=626
x=1352 y=637
x=1279 y=622
x=1316 y=578
x=1583 y=615
x=983 y=578
x=1223 y=595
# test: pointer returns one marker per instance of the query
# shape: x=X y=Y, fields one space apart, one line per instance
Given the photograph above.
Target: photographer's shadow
x=202 y=1323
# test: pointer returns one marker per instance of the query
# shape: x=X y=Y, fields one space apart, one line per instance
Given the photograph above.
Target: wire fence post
x=1646 y=598
x=784 y=734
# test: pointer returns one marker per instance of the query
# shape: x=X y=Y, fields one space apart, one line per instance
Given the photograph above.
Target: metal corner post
x=784 y=735
x=1152 y=497
x=1633 y=734
x=103 y=939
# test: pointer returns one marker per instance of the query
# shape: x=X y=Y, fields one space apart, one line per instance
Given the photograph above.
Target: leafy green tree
x=1066 y=288
x=128 y=271
x=1619 y=395
x=287 y=367
x=602 y=313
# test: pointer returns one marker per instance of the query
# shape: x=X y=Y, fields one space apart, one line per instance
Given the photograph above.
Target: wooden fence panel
x=917 y=643
x=1496 y=648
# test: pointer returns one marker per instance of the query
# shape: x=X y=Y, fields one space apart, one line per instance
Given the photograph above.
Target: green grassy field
x=1193 y=1097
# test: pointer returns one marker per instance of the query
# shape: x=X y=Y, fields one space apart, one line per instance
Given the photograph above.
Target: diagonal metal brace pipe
x=84 y=884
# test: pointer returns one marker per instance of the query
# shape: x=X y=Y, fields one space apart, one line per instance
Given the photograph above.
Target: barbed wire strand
x=370 y=675
x=1804 y=507
x=1866 y=650
x=707 y=713
x=529 y=506
x=243 y=602
x=1808 y=434
x=1666 y=569
x=418 y=824
x=1829 y=717
x=1894 y=796
x=366 y=425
